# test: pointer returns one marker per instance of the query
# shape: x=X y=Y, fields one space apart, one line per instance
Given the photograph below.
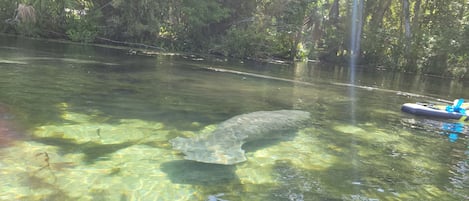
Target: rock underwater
x=223 y=145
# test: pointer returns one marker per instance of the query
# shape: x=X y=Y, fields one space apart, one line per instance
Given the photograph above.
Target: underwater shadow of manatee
x=93 y=151
x=196 y=173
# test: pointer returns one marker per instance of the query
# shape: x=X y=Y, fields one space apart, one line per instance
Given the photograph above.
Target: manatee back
x=256 y=125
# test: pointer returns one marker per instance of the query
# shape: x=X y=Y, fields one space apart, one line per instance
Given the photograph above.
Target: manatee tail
x=203 y=151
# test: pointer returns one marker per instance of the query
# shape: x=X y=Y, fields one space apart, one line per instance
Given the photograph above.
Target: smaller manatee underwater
x=224 y=144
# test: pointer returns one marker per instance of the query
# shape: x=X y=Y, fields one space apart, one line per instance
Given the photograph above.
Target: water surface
x=93 y=123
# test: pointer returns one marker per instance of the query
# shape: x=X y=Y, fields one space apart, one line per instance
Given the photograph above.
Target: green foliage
x=201 y=13
x=197 y=19
x=51 y=17
x=246 y=43
x=81 y=31
x=177 y=24
x=82 y=28
x=7 y=12
x=424 y=36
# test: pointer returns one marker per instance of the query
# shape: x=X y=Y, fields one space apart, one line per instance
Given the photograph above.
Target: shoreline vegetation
x=425 y=37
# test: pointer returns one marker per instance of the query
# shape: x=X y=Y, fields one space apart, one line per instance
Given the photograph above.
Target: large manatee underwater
x=223 y=145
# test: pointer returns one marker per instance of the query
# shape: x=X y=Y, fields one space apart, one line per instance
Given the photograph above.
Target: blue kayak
x=430 y=110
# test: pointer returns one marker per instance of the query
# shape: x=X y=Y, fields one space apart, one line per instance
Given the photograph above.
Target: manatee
x=224 y=144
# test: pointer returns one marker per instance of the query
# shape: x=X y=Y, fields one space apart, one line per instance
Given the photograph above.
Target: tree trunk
x=334 y=12
x=377 y=17
x=406 y=12
x=414 y=40
x=415 y=20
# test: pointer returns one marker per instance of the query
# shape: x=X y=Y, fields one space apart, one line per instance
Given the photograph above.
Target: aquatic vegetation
x=51 y=175
x=83 y=129
x=117 y=168
x=82 y=140
x=46 y=165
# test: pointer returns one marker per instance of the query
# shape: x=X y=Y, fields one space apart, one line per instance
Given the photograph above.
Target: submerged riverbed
x=92 y=123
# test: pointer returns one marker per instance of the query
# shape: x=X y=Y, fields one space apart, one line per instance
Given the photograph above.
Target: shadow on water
x=93 y=151
x=196 y=173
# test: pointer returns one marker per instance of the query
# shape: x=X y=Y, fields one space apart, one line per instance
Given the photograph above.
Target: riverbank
x=148 y=50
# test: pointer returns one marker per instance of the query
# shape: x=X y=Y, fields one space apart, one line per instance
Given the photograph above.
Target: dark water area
x=80 y=122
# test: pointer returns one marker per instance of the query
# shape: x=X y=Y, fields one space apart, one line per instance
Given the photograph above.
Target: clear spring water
x=92 y=123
